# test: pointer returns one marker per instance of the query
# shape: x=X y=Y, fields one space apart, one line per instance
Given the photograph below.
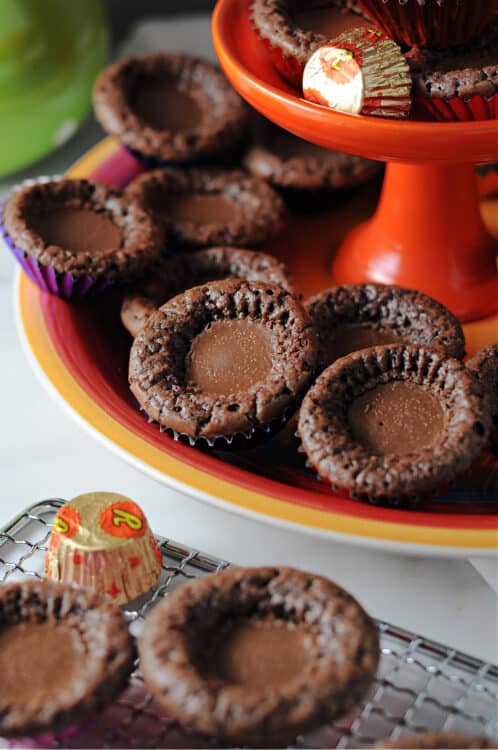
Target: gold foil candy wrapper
x=360 y=72
x=102 y=540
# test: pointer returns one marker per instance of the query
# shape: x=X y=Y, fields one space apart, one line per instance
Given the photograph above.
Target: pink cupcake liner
x=64 y=285
x=458 y=109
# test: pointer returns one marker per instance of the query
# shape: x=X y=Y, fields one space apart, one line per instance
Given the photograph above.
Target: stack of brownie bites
x=224 y=352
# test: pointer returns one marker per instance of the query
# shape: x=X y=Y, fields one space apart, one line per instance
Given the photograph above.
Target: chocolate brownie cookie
x=64 y=652
x=172 y=107
x=223 y=358
x=464 y=72
x=293 y=30
x=392 y=423
x=484 y=365
x=205 y=207
x=258 y=655
x=440 y=741
x=356 y=316
x=290 y=163
x=83 y=228
x=182 y=271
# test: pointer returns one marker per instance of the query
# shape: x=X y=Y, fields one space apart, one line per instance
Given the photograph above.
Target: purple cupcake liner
x=228 y=160
x=49 y=739
x=64 y=285
x=150 y=162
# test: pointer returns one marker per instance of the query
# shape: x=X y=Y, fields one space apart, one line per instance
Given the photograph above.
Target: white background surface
x=43 y=454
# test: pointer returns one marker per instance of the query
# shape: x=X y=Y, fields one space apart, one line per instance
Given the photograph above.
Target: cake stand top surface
x=247 y=65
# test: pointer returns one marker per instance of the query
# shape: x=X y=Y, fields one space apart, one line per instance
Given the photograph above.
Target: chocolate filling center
x=352 y=338
x=78 y=230
x=199 y=209
x=258 y=655
x=327 y=21
x=396 y=418
x=230 y=356
x=162 y=106
x=38 y=658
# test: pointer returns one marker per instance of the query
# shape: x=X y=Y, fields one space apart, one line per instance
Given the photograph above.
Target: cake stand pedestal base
x=427 y=234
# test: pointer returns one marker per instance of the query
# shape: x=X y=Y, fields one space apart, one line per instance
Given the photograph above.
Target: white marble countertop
x=44 y=454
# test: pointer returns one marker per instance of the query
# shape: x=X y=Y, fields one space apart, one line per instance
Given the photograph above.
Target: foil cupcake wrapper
x=458 y=109
x=65 y=285
x=123 y=573
x=431 y=24
x=234 y=441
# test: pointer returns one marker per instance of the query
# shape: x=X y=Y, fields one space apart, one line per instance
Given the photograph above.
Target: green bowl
x=50 y=54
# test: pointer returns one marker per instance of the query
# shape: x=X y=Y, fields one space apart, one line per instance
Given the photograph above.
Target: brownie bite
x=293 y=29
x=458 y=84
x=207 y=207
x=169 y=107
x=289 y=163
x=84 y=229
x=257 y=656
x=182 y=271
x=64 y=653
x=224 y=358
x=393 y=423
x=484 y=365
x=357 y=316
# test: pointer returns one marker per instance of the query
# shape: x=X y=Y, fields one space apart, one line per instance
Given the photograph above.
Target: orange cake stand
x=427 y=232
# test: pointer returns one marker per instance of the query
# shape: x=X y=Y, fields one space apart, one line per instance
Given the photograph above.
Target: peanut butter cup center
x=396 y=418
x=162 y=106
x=199 y=209
x=329 y=21
x=352 y=338
x=39 y=659
x=230 y=356
x=78 y=230
x=258 y=655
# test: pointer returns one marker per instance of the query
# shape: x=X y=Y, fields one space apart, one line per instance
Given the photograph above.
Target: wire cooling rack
x=421 y=686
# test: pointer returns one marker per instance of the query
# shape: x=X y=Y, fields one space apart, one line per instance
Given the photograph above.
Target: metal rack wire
x=421 y=685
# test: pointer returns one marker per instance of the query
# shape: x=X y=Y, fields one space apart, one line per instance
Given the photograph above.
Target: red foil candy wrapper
x=360 y=72
x=103 y=541
x=431 y=23
x=456 y=109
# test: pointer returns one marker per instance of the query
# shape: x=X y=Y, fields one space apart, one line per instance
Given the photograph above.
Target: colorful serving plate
x=81 y=352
